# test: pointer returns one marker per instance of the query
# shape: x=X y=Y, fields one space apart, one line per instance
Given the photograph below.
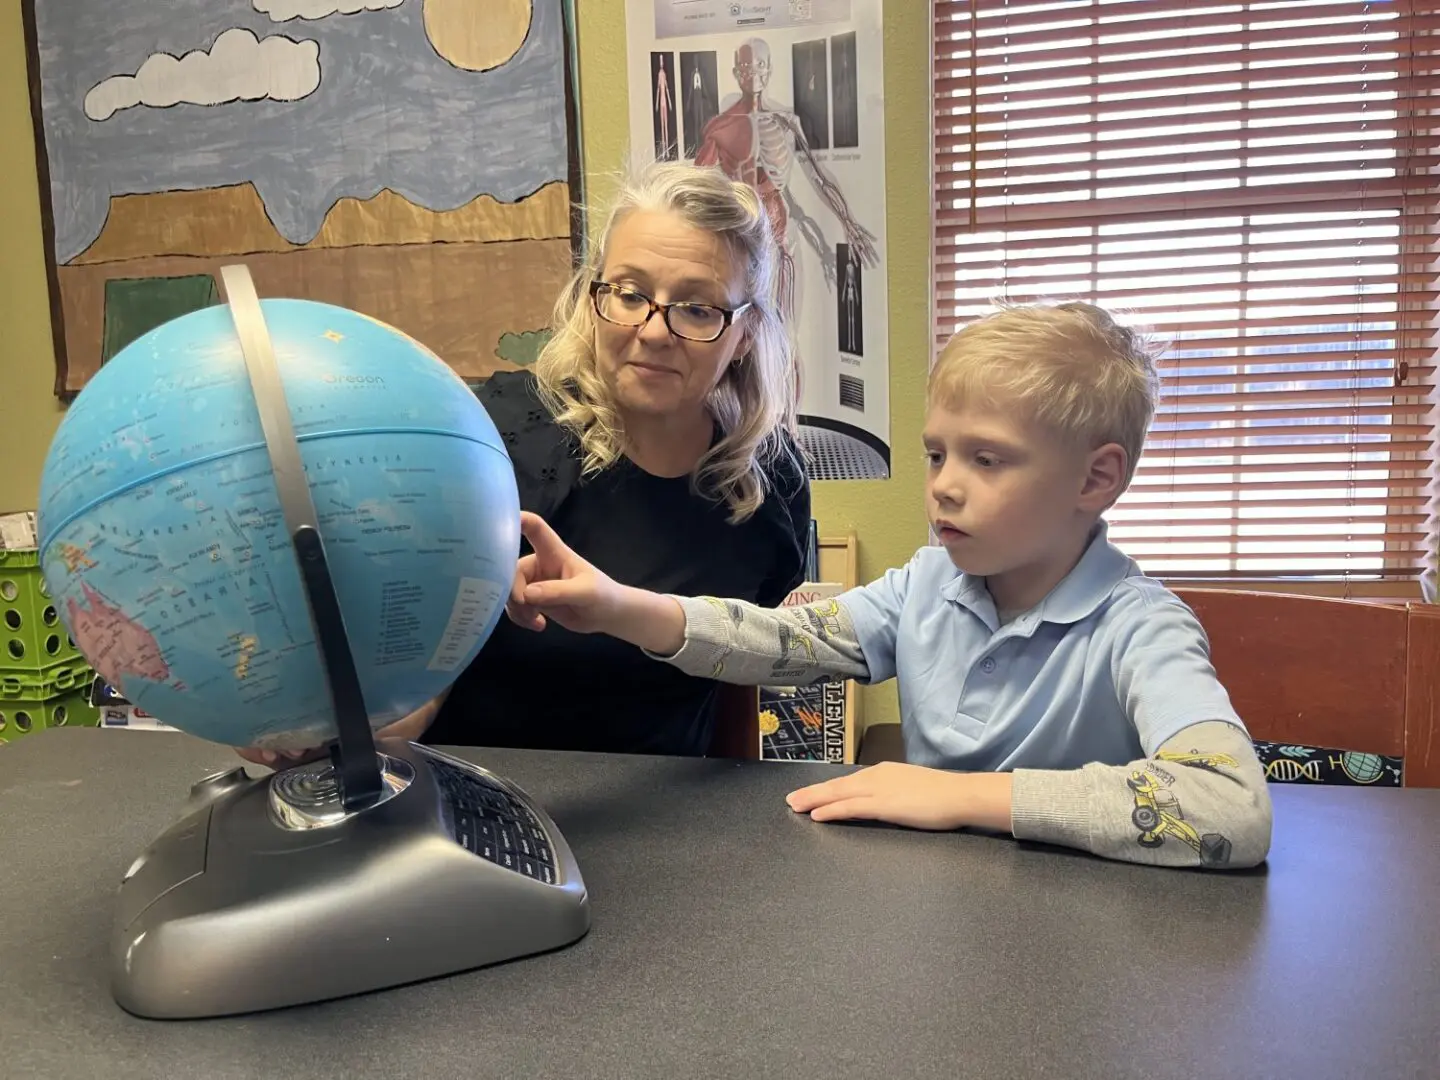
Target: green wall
x=887 y=516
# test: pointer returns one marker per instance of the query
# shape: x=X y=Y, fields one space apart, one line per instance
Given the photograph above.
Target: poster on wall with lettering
x=788 y=97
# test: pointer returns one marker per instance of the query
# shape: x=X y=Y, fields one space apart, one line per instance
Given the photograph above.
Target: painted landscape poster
x=412 y=159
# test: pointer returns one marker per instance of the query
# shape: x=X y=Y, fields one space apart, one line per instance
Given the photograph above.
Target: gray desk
x=732 y=938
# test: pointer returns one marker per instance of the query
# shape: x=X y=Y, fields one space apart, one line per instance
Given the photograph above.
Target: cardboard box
x=810 y=723
x=117 y=712
x=17 y=531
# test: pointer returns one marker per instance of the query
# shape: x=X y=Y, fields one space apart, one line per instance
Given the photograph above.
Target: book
x=814 y=722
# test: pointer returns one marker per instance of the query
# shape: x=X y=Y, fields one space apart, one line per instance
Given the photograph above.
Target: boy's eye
x=933 y=458
x=986 y=461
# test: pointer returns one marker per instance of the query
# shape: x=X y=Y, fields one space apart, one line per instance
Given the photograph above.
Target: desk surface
x=734 y=938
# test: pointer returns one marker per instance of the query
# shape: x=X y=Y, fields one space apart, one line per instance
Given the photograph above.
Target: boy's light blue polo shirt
x=1108 y=667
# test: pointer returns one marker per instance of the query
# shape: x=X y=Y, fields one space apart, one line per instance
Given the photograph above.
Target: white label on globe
x=475 y=600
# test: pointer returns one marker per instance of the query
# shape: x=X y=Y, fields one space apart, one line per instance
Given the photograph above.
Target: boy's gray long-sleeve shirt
x=1200 y=801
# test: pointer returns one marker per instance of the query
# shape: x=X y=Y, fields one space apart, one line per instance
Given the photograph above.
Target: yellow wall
x=886 y=515
x=29 y=409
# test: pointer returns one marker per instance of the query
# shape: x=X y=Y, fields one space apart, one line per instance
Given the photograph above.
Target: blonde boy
x=1047 y=688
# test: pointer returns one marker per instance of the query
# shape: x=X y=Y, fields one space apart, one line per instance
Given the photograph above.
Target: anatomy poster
x=412 y=159
x=788 y=98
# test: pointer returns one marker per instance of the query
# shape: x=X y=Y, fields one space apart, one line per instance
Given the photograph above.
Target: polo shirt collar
x=970 y=592
x=1084 y=589
x=1079 y=594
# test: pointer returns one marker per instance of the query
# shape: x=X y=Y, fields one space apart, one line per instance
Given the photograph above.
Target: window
x=1256 y=183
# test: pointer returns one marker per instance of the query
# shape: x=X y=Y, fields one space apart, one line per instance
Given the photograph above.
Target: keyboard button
x=495 y=825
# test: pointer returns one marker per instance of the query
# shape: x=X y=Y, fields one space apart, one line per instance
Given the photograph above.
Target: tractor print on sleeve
x=1158 y=816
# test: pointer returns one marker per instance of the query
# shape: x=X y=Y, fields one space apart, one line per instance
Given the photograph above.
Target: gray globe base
x=237 y=908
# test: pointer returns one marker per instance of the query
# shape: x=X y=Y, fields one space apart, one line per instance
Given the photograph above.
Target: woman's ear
x=742 y=351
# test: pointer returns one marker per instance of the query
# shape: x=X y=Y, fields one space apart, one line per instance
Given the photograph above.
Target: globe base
x=269 y=893
x=312 y=796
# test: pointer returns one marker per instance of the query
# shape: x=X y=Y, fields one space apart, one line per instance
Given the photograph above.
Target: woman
x=655 y=434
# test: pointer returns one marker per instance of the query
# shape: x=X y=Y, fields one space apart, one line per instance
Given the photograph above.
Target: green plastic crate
x=25 y=716
x=32 y=638
x=52 y=681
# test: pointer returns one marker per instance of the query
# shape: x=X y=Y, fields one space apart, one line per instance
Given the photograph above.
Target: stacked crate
x=44 y=681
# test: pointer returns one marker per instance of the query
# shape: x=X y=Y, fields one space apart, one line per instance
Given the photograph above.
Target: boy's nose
x=947 y=489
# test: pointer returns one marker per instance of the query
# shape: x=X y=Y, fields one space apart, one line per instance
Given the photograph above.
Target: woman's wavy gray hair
x=754 y=401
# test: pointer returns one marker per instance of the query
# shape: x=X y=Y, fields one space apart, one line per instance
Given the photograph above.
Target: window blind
x=1256 y=183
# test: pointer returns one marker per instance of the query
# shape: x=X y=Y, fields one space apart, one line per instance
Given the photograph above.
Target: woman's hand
x=279 y=759
x=409 y=727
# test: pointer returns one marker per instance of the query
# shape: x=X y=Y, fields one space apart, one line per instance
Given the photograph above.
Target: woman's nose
x=654 y=331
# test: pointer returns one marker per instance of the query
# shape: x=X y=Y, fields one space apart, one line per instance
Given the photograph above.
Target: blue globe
x=163 y=543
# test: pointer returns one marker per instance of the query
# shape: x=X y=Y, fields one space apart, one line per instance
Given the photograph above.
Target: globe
x=1362 y=768
x=163 y=543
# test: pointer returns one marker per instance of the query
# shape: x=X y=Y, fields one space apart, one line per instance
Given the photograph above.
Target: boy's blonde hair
x=754 y=402
x=1071 y=367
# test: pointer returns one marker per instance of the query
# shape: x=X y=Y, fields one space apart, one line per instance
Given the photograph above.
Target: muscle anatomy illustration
x=760 y=143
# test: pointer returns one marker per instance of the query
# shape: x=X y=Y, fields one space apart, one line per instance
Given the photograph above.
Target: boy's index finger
x=544 y=541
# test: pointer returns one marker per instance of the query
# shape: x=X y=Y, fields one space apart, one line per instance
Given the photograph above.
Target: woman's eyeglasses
x=694 y=322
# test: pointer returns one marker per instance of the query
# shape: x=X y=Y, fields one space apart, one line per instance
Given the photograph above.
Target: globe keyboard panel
x=493 y=824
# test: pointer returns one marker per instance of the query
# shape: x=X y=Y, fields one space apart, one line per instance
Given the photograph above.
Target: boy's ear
x=1104 y=478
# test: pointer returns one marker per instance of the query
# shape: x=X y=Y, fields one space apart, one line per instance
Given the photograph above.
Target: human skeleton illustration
x=760 y=143
x=663 y=104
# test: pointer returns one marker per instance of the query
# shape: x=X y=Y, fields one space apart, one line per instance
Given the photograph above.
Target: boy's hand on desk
x=910 y=795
